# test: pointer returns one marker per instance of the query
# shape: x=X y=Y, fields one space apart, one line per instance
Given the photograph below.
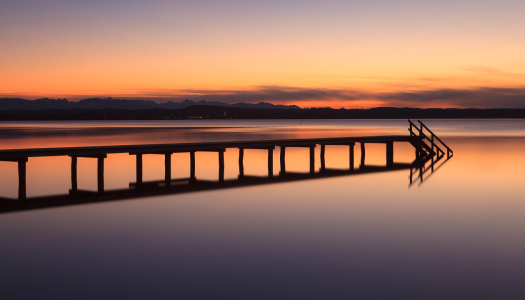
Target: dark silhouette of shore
x=122 y=109
x=215 y=112
x=110 y=103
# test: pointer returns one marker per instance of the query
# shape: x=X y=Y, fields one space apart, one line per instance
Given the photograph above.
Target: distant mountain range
x=109 y=103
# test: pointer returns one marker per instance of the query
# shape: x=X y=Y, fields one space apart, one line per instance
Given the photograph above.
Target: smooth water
x=457 y=235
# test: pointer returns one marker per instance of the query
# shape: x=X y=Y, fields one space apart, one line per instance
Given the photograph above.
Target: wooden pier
x=428 y=147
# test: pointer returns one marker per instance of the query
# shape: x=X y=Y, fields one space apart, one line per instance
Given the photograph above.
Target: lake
x=458 y=234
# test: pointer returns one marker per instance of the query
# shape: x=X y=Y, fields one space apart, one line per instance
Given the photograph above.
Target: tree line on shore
x=218 y=112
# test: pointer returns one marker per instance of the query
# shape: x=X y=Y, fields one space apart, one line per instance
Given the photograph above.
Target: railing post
x=322 y=157
x=22 y=187
x=192 y=166
x=100 y=173
x=312 y=159
x=138 y=159
x=270 y=162
x=283 y=160
x=74 y=184
x=167 y=169
x=351 y=156
x=363 y=154
x=221 y=166
x=241 y=162
x=390 y=154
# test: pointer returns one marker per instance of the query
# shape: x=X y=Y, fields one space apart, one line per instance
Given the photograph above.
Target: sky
x=311 y=53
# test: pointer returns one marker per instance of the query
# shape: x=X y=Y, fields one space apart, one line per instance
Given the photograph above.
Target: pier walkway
x=428 y=148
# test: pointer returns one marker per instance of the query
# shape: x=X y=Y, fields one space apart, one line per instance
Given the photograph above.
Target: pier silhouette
x=428 y=152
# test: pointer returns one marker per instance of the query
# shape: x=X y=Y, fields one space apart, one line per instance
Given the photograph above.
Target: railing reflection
x=424 y=167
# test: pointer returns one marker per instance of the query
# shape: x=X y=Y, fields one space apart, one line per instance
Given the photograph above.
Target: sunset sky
x=309 y=53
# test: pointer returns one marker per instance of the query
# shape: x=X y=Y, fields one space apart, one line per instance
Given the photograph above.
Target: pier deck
x=417 y=138
x=15 y=154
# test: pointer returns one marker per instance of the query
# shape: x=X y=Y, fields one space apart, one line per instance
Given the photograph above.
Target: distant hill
x=109 y=103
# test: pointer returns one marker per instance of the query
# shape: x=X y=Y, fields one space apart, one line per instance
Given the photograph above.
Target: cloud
x=482 y=70
x=476 y=98
x=258 y=94
x=486 y=97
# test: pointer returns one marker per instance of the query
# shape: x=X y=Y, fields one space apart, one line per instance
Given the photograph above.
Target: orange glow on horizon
x=195 y=51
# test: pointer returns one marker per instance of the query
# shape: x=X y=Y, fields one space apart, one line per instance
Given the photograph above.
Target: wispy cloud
x=485 y=97
x=279 y=94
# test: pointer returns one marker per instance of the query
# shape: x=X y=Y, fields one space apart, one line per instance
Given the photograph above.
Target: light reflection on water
x=459 y=235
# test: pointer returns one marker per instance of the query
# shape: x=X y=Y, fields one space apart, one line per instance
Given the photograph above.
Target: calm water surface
x=458 y=235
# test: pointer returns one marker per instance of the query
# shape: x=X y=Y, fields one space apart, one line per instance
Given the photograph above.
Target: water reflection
x=459 y=236
x=177 y=186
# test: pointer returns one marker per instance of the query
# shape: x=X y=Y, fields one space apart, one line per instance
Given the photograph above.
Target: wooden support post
x=270 y=162
x=389 y=154
x=139 y=168
x=241 y=162
x=100 y=173
x=323 y=166
x=221 y=166
x=351 y=156
x=74 y=184
x=167 y=170
x=283 y=160
x=22 y=187
x=312 y=159
x=192 y=166
x=363 y=154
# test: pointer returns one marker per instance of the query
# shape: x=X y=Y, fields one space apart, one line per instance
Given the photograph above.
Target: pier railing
x=426 y=134
x=427 y=156
x=434 y=137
